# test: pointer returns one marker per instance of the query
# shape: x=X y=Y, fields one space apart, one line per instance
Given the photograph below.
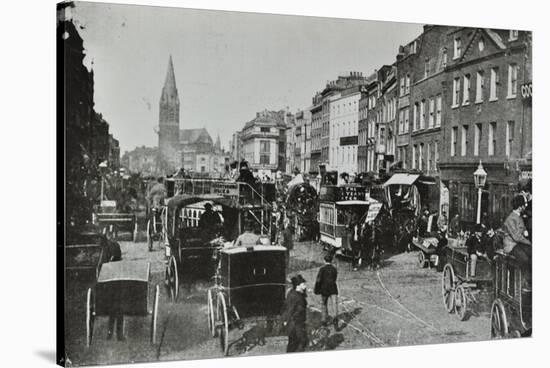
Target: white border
x=28 y=165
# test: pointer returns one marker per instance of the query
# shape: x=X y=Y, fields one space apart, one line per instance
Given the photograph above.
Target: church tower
x=169 y=121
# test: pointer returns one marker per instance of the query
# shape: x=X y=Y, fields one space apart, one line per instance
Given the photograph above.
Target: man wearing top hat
x=294 y=315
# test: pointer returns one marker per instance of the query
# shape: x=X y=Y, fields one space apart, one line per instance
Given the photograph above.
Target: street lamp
x=102 y=170
x=480 y=176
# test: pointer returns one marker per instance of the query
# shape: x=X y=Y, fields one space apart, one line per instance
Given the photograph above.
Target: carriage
x=460 y=290
x=122 y=288
x=85 y=253
x=191 y=252
x=250 y=283
x=512 y=305
x=339 y=207
x=108 y=218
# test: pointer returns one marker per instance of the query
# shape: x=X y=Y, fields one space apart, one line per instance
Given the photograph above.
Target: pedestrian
x=515 y=233
x=294 y=315
x=476 y=247
x=454 y=226
x=116 y=317
x=325 y=285
x=355 y=230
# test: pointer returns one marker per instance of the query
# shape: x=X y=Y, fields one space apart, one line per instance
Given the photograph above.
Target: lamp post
x=480 y=176
x=102 y=169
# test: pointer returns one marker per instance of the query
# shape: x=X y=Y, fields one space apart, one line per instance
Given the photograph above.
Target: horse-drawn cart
x=122 y=288
x=460 y=289
x=250 y=284
x=107 y=218
x=512 y=307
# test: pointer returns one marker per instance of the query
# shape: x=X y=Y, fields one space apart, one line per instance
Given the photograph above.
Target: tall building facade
x=316 y=117
x=262 y=140
x=344 y=130
x=487 y=118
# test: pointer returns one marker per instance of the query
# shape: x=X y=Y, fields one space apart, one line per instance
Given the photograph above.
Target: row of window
x=343 y=155
x=423 y=157
x=492 y=139
x=494 y=83
x=339 y=129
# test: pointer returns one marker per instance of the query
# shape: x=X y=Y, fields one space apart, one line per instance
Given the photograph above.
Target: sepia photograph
x=245 y=184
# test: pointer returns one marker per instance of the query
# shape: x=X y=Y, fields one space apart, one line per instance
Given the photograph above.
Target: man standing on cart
x=294 y=315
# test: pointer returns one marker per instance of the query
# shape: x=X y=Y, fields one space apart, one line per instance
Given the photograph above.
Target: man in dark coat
x=294 y=315
x=325 y=285
x=210 y=221
x=114 y=254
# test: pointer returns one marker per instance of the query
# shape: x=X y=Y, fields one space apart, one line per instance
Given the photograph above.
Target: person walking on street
x=355 y=243
x=294 y=315
x=325 y=285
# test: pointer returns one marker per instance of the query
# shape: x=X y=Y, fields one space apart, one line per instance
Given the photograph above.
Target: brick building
x=384 y=115
x=316 y=117
x=486 y=118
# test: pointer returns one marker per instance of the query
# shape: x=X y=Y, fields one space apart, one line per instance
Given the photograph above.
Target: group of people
x=294 y=313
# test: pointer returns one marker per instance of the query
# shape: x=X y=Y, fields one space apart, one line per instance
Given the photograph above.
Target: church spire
x=218 y=144
x=170 y=91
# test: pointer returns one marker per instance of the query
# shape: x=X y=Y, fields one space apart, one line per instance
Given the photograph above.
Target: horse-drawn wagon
x=122 y=288
x=250 y=283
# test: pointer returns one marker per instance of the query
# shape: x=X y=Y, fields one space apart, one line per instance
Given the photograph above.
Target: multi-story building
x=316 y=117
x=236 y=147
x=344 y=125
x=262 y=140
x=142 y=160
x=486 y=118
x=421 y=73
x=290 y=163
x=303 y=121
x=331 y=93
x=306 y=133
x=370 y=126
x=362 y=132
x=385 y=117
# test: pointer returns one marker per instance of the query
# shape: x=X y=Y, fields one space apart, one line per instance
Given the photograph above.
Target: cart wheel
x=149 y=235
x=172 y=278
x=461 y=303
x=223 y=324
x=90 y=316
x=447 y=287
x=154 y=317
x=499 y=324
x=211 y=318
x=421 y=259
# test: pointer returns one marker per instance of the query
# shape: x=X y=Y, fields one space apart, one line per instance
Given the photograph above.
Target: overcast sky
x=228 y=65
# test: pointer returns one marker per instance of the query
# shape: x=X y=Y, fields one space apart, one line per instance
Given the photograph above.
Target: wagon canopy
x=180 y=201
x=124 y=271
x=408 y=179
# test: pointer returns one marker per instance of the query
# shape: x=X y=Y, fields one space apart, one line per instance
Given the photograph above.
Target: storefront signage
x=374 y=208
x=525 y=175
x=348 y=141
x=527 y=90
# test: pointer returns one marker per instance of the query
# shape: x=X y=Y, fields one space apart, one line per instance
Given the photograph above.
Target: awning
x=356 y=202
x=402 y=178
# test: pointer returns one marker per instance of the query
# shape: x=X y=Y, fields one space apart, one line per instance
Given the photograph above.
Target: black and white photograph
x=242 y=184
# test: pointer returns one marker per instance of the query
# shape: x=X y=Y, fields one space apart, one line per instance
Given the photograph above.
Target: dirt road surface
x=399 y=304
